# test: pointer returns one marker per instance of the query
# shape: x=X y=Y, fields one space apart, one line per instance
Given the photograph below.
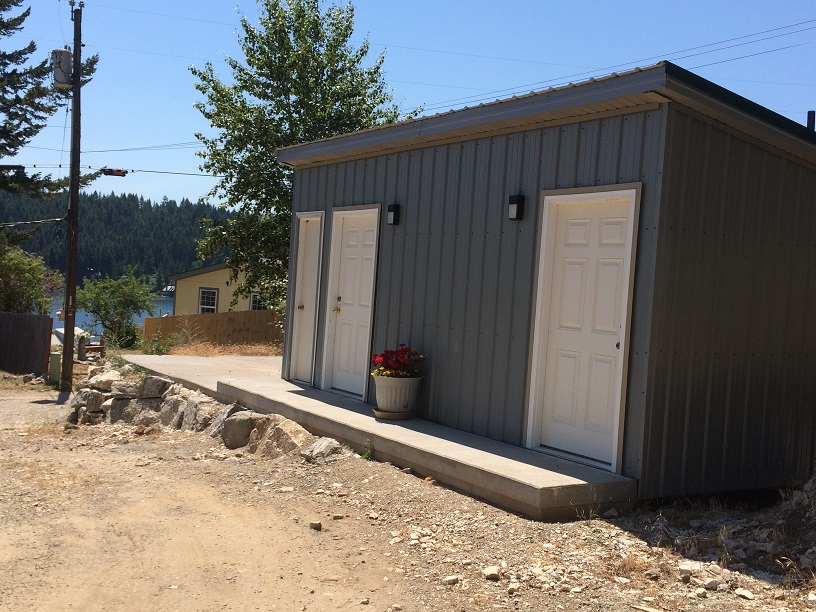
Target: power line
x=463 y=54
x=440 y=85
x=185 y=18
x=517 y=89
x=156 y=53
x=180 y=173
x=193 y=144
x=163 y=147
x=37 y=222
x=56 y=166
x=752 y=55
x=475 y=55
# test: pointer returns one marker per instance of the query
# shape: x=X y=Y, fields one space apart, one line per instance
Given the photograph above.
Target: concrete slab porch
x=518 y=479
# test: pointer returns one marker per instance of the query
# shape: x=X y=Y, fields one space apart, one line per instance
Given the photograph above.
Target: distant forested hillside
x=116 y=231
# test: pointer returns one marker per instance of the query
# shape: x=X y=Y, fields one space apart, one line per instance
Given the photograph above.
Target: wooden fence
x=246 y=327
x=25 y=343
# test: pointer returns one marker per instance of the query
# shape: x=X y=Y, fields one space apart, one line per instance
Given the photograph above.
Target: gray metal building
x=621 y=272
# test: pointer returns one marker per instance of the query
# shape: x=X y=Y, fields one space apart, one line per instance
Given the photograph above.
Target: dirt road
x=101 y=518
x=93 y=520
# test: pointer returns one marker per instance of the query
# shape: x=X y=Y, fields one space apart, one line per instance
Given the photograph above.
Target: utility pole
x=72 y=218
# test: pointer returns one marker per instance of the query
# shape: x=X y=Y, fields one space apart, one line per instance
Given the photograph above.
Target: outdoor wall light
x=515 y=209
x=393 y=214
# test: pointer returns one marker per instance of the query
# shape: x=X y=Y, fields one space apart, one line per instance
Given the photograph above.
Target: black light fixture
x=393 y=214
x=515 y=208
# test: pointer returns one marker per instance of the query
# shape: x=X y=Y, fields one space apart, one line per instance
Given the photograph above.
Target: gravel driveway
x=100 y=518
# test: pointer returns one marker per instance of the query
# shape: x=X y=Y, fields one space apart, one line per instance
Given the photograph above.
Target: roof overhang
x=197 y=271
x=615 y=94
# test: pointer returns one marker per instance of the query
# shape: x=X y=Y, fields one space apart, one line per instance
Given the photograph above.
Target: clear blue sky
x=138 y=112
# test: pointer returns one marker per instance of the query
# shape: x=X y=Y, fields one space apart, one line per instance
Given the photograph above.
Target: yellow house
x=205 y=291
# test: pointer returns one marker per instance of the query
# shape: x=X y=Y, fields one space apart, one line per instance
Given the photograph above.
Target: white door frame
x=299 y=291
x=541 y=319
x=334 y=278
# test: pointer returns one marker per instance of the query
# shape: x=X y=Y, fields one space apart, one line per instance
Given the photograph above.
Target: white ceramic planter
x=396 y=397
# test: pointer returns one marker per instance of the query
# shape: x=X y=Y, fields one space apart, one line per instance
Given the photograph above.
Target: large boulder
x=123 y=389
x=199 y=412
x=104 y=381
x=84 y=417
x=218 y=424
x=274 y=437
x=146 y=418
x=321 y=449
x=95 y=401
x=80 y=398
x=170 y=407
x=128 y=410
x=117 y=410
x=237 y=428
x=154 y=386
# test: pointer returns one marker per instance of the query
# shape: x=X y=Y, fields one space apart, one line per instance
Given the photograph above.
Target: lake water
x=83 y=319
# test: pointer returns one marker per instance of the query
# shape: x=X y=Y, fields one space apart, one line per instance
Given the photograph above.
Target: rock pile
x=268 y=435
x=26 y=379
x=106 y=397
x=155 y=402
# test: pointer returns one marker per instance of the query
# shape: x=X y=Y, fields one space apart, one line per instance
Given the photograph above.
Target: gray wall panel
x=476 y=246
x=567 y=159
x=448 y=186
x=632 y=144
x=507 y=387
x=728 y=406
x=485 y=287
x=588 y=150
x=452 y=395
x=649 y=152
x=609 y=150
x=434 y=317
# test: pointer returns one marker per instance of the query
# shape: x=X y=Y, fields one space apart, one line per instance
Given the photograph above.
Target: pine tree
x=27 y=100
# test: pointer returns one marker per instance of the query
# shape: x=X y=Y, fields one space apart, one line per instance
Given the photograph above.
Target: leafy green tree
x=115 y=302
x=25 y=280
x=27 y=100
x=302 y=80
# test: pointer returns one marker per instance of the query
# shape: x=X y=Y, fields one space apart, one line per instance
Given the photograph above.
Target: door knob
x=617 y=345
x=336 y=310
x=301 y=307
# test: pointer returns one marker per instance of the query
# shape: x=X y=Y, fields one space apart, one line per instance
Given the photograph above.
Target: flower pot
x=396 y=397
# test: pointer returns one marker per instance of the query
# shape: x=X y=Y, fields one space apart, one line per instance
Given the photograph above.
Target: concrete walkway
x=514 y=478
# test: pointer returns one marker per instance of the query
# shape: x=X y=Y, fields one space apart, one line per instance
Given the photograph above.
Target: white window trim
x=256 y=295
x=215 y=307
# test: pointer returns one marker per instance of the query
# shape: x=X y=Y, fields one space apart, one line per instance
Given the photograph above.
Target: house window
x=255 y=302
x=207 y=301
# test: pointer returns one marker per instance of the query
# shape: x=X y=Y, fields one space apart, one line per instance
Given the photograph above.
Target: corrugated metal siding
x=732 y=391
x=456 y=278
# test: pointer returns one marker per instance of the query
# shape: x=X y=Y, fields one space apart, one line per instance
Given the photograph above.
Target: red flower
x=403 y=362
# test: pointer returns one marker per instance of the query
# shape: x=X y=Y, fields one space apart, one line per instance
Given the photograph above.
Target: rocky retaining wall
x=155 y=402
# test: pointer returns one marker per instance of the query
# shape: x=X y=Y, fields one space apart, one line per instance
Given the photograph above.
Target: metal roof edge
x=703 y=85
x=197 y=271
x=535 y=103
x=664 y=78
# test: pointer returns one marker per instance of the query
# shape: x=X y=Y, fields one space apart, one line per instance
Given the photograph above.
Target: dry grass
x=630 y=565
x=208 y=349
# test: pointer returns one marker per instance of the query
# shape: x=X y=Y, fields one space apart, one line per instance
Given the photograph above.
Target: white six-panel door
x=581 y=330
x=307 y=279
x=350 y=298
